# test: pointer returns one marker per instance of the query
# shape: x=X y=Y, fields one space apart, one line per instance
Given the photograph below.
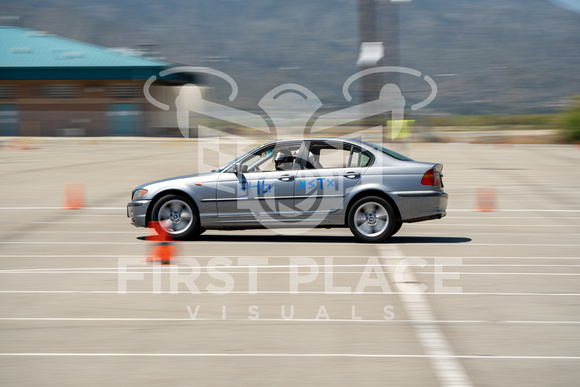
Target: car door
x=331 y=169
x=262 y=191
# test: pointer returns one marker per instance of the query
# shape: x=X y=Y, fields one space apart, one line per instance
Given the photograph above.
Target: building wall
x=73 y=108
x=165 y=122
x=93 y=108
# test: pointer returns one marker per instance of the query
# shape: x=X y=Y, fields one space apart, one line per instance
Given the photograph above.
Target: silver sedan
x=297 y=183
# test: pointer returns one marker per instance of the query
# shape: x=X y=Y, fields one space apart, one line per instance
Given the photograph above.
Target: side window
x=280 y=158
x=359 y=158
x=328 y=155
x=252 y=163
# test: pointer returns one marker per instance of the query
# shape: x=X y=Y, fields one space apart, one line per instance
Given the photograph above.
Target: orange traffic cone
x=163 y=250
x=485 y=199
x=74 y=196
x=162 y=253
x=20 y=144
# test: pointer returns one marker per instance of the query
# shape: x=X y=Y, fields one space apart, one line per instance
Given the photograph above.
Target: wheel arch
x=371 y=192
x=159 y=195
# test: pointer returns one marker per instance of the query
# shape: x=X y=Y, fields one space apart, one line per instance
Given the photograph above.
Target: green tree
x=571 y=120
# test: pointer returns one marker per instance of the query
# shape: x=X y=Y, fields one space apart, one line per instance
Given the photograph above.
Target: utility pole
x=367 y=24
x=378 y=22
x=388 y=14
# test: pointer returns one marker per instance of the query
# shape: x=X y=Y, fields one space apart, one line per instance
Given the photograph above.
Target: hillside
x=506 y=56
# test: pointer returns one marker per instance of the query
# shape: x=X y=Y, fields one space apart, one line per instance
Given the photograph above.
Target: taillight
x=431 y=177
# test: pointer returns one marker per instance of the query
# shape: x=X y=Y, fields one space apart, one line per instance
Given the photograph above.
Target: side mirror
x=238 y=168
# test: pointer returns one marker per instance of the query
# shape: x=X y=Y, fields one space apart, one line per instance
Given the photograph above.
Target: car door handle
x=286 y=177
x=351 y=175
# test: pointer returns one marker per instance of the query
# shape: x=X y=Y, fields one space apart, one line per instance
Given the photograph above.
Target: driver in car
x=284 y=160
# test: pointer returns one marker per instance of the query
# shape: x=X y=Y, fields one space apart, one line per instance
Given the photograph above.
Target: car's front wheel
x=371 y=219
x=177 y=216
x=398 y=225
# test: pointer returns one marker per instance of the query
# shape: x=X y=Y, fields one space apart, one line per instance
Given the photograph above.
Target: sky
x=572 y=5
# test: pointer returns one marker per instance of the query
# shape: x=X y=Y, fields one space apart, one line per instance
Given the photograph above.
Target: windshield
x=389 y=152
x=236 y=160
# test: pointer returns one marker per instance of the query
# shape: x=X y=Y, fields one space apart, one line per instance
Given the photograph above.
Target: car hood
x=194 y=177
x=182 y=183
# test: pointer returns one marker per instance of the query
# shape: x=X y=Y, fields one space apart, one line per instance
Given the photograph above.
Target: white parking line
x=65 y=222
x=494 y=225
x=69 y=256
x=366 y=257
x=287 y=292
x=69 y=243
x=448 y=369
x=469 y=234
x=288 y=272
x=266 y=242
x=487 y=215
x=311 y=355
x=64 y=209
x=91 y=232
x=242 y=271
x=271 y=256
x=297 y=320
x=243 y=267
x=464 y=244
x=116 y=215
x=514 y=210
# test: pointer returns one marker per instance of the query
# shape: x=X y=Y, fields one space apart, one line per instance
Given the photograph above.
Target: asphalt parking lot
x=79 y=305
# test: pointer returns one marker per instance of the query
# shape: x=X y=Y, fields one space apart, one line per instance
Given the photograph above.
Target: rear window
x=323 y=154
x=389 y=152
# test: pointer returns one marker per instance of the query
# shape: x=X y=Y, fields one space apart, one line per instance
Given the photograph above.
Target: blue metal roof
x=28 y=49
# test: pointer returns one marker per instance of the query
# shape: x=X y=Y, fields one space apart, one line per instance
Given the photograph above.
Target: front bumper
x=137 y=212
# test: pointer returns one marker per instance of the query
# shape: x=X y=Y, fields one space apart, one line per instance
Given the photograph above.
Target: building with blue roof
x=50 y=85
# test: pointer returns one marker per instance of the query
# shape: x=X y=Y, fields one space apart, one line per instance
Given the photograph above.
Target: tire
x=372 y=219
x=398 y=225
x=177 y=216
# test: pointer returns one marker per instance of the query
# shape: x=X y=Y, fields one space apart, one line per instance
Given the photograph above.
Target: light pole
x=378 y=22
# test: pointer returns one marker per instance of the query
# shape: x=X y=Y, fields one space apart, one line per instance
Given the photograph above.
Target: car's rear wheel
x=177 y=216
x=371 y=219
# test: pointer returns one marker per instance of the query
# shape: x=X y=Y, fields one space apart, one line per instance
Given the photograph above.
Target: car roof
x=343 y=139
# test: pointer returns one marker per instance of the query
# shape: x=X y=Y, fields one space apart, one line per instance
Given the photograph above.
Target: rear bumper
x=416 y=206
x=137 y=212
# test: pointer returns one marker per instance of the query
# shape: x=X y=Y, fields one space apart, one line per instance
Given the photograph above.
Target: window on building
x=59 y=91
x=7 y=91
x=125 y=91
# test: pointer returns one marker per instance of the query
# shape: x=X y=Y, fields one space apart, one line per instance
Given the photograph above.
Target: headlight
x=138 y=193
